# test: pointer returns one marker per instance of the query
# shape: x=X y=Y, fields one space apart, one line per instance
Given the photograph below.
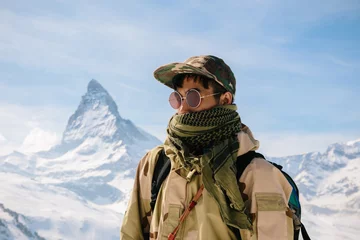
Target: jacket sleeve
x=136 y=221
x=268 y=192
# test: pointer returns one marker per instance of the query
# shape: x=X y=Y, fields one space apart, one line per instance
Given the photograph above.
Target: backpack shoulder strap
x=244 y=160
x=304 y=233
x=161 y=170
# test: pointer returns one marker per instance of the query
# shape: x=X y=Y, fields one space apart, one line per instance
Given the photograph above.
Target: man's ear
x=226 y=98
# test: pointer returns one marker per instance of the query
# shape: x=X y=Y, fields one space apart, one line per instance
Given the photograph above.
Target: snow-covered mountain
x=14 y=226
x=329 y=183
x=97 y=116
x=79 y=189
x=328 y=173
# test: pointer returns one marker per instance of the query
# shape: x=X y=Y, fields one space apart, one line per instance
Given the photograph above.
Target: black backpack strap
x=244 y=160
x=161 y=171
x=304 y=233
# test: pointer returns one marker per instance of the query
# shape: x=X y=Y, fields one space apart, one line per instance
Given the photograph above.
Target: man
x=202 y=197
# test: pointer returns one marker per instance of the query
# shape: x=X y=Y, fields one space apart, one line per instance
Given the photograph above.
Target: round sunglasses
x=193 y=98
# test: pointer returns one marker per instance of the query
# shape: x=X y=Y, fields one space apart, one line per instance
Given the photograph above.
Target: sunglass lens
x=193 y=98
x=175 y=100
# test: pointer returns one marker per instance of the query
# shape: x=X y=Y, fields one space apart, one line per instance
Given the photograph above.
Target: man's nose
x=184 y=107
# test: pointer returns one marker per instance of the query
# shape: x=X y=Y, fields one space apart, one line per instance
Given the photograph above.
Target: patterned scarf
x=206 y=141
x=193 y=133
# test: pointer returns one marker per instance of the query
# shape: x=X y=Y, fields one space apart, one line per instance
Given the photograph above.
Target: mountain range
x=79 y=189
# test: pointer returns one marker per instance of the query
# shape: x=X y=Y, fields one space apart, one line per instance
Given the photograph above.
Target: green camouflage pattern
x=206 y=65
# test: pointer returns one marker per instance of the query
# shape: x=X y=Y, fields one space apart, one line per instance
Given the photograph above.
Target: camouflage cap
x=206 y=65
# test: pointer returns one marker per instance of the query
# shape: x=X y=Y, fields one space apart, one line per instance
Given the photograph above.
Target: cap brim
x=166 y=73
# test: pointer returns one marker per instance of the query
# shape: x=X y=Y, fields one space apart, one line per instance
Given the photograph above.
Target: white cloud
x=343 y=63
x=102 y=46
x=2 y=139
x=6 y=147
x=18 y=120
x=101 y=42
x=107 y=44
x=39 y=140
x=60 y=44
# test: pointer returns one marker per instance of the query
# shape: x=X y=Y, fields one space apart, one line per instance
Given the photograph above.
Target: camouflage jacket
x=264 y=189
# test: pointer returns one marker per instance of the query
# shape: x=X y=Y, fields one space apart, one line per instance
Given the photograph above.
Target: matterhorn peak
x=95 y=87
x=97 y=96
x=97 y=117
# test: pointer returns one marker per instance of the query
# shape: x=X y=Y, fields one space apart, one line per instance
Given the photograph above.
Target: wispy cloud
x=97 y=45
x=32 y=42
x=49 y=51
x=344 y=63
x=133 y=88
x=17 y=121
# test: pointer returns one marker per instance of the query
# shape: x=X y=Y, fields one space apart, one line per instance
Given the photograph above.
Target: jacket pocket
x=171 y=220
x=271 y=216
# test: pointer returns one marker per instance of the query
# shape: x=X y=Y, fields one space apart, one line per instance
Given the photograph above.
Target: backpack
x=162 y=169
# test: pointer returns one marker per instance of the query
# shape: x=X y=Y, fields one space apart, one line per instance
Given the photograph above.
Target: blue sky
x=297 y=63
